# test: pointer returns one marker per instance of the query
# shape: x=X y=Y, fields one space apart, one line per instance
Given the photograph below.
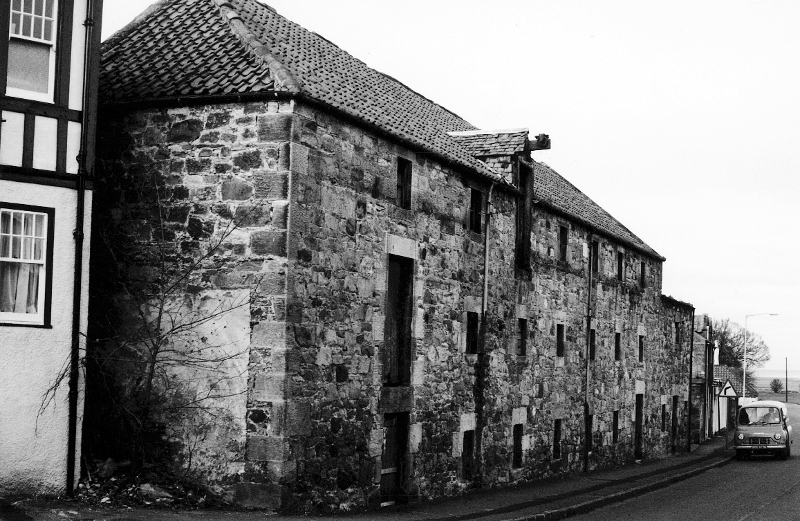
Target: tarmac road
x=760 y=488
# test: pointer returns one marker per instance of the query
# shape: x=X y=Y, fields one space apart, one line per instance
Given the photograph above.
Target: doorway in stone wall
x=637 y=437
x=395 y=448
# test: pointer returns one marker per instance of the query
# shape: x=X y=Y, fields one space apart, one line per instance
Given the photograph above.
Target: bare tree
x=159 y=363
x=731 y=339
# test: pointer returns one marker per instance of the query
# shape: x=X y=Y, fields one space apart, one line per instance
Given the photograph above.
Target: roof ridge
x=482 y=132
x=261 y=52
x=120 y=34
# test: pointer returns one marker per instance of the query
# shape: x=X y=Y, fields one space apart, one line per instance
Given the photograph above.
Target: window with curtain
x=23 y=240
x=31 y=49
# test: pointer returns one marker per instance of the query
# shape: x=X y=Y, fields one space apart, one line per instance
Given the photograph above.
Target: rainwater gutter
x=94 y=7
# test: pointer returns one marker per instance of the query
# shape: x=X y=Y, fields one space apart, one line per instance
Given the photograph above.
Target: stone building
x=48 y=98
x=429 y=309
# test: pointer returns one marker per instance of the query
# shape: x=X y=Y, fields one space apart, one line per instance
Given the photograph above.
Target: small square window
x=473 y=325
x=517 y=457
x=617 y=346
x=476 y=210
x=615 y=427
x=592 y=344
x=403 y=183
x=26 y=241
x=560 y=340
x=641 y=348
x=563 y=240
x=522 y=337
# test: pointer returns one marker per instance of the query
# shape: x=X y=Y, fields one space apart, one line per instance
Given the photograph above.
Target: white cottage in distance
x=48 y=94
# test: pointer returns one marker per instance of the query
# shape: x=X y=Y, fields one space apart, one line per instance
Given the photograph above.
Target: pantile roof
x=484 y=143
x=552 y=189
x=181 y=49
x=734 y=375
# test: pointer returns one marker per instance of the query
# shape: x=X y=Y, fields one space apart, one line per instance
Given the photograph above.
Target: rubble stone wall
x=313 y=199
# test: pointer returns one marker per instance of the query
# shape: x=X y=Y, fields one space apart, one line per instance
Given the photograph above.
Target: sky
x=681 y=118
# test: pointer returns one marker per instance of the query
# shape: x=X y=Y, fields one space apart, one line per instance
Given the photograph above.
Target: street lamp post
x=744 y=358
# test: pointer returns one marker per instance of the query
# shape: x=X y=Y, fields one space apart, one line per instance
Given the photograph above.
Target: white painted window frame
x=47 y=97
x=38 y=317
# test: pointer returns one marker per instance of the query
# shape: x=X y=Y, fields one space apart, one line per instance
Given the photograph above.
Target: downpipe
x=89 y=74
x=482 y=362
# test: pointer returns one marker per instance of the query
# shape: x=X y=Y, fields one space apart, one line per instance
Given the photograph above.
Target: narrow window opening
x=595 y=257
x=563 y=238
x=522 y=337
x=557 y=440
x=620 y=265
x=592 y=344
x=641 y=348
x=643 y=275
x=473 y=325
x=678 y=333
x=589 y=431
x=617 y=346
x=560 y=340
x=475 y=210
x=468 y=456
x=403 y=183
x=398 y=338
x=663 y=417
x=517 y=460
x=615 y=427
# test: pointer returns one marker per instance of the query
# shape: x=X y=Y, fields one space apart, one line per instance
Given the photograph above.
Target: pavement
x=555 y=498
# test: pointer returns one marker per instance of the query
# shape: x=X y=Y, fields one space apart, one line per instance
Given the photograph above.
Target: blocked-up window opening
x=592 y=344
x=563 y=238
x=475 y=210
x=517 y=460
x=473 y=328
x=620 y=265
x=395 y=448
x=560 y=340
x=397 y=343
x=617 y=346
x=641 y=348
x=595 y=257
x=403 y=183
x=615 y=427
x=557 y=439
x=468 y=456
x=522 y=337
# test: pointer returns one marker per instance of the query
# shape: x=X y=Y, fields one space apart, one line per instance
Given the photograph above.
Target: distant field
x=762 y=383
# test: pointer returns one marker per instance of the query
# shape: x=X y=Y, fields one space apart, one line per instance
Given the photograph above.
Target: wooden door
x=395 y=448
